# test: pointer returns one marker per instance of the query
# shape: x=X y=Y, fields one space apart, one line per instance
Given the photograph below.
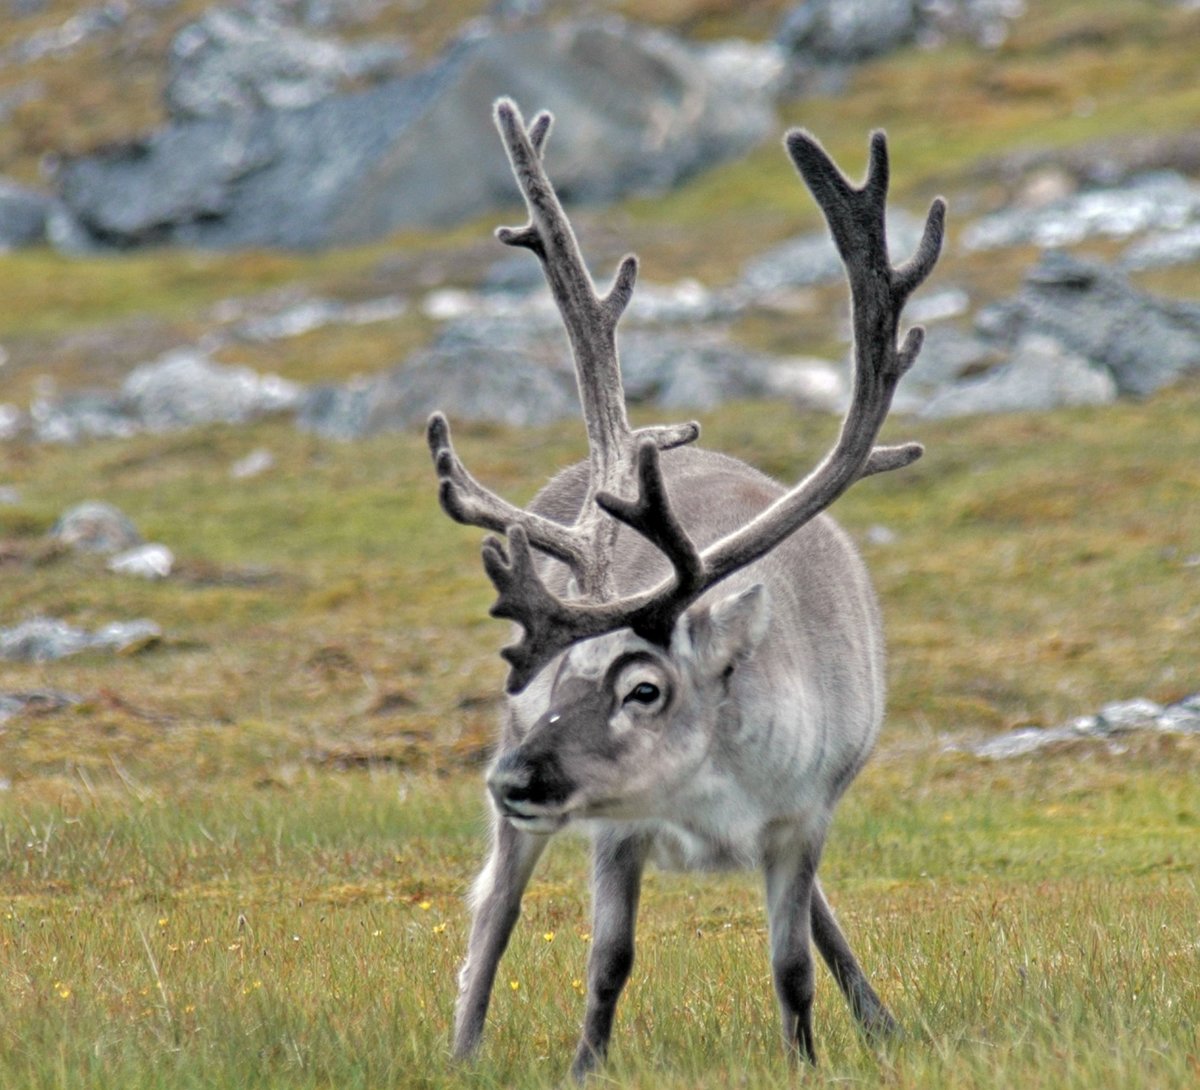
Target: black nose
x=517 y=781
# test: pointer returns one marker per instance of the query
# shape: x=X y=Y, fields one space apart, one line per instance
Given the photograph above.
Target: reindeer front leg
x=496 y=899
x=617 y=864
x=791 y=878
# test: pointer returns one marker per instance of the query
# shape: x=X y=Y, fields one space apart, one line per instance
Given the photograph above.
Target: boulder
x=185 y=387
x=12 y=421
x=1161 y=248
x=1146 y=342
x=239 y=60
x=948 y=356
x=79 y=415
x=1162 y=200
x=693 y=370
x=96 y=527
x=421 y=150
x=23 y=215
x=1110 y=725
x=1041 y=375
x=840 y=32
x=846 y=31
x=466 y=372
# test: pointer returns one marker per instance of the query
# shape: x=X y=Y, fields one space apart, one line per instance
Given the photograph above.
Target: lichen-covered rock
x=1145 y=342
x=1040 y=375
x=46 y=639
x=239 y=60
x=185 y=388
x=96 y=527
x=23 y=215
x=421 y=151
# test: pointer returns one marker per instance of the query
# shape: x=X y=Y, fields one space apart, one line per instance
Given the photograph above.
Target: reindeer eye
x=643 y=693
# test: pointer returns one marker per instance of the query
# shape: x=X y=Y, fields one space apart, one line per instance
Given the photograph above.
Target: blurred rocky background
x=220 y=212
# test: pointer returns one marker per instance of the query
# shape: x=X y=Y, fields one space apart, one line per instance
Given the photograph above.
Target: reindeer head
x=622 y=721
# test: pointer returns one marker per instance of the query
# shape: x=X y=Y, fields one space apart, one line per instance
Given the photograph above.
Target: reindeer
x=701 y=669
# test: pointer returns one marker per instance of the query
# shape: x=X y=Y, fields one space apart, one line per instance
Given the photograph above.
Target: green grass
x=1030 y=924
x=240 y=860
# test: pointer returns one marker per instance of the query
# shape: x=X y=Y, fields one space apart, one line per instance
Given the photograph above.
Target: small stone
x=149 y=561
x=96 y=527
x=38 y=702
x=255 y=463
x=1129 y=715
x=45 y=639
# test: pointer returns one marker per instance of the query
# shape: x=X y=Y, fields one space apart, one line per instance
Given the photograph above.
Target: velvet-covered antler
x=620 y=457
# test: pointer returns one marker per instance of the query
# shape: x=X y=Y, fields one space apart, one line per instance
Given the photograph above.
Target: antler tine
x=550 y=624
x=651 y=516
x=590 y=321
x=465 y=500
x=856 y=218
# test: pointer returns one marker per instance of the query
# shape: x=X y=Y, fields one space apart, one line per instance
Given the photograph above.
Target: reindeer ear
x=727 y=632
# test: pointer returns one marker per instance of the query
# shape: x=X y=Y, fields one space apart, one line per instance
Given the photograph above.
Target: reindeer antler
x=591 y=324
x=620 y=457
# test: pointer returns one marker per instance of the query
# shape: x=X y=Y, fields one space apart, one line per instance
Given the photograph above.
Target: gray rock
x=12 y=421
x=76 y=32
x=692 y=370
x=421 y=151
x=842 y=31
x=149 y=561
x=96 y=527
x=40 y=701
x=185 y=387
x=239 y=60
x=808 y=383
x=948 y=356
x=1180 y=247
x=470 y=376
x=1128 y=715
x=508 y=371
x=985 y=22
x=1161 y=200
x=79 y=415
x=1113 y=721
x=937 y=306
x=1182 y=717
x=1041 y=375
x=686 y=302
x=1144 y=341
x=312 y=314
x=254 y=464
x=165 y=188
x=46 y=639
x=23 y=214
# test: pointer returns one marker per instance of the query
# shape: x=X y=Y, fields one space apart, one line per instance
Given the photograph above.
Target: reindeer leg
x=496 y=898
x=791 y=879
x=868 y=1009
x=617 y=864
